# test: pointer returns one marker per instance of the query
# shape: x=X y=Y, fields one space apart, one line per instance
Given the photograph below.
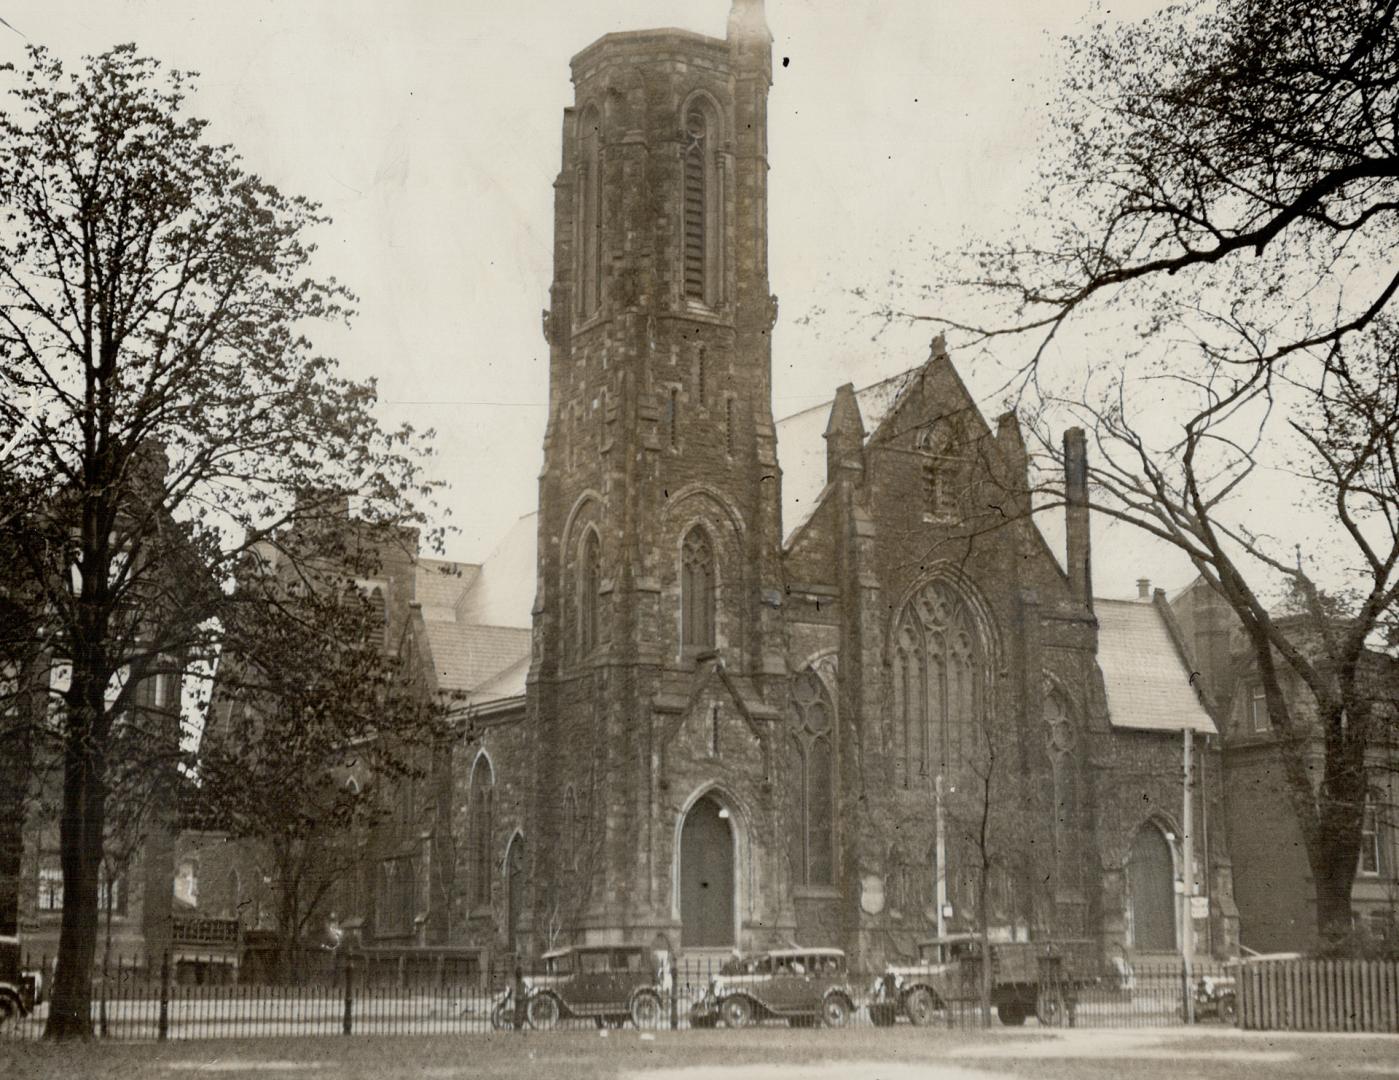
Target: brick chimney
x=1080 y=546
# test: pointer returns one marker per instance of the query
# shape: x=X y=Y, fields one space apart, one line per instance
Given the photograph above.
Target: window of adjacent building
x=1258 y=709
x=1370 y=854
x=50 y=894
x=588 y=213
x=395 y=897
x=187 y=882
x=812 y=732
x=697 y=592
x=589 y=586
x=939 y=671
x=481 y=826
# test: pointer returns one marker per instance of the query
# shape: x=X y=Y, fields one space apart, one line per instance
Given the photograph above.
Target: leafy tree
x=1221 y=188
x=164 y=408
x=316 y=736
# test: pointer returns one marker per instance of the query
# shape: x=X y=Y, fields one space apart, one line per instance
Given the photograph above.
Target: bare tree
x=162 y=405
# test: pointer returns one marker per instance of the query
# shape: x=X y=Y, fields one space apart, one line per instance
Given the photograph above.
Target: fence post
x=162 y=1031
x=347 y=1024
x=673 y=963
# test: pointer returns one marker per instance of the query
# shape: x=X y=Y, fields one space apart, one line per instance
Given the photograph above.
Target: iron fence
x=193 y=997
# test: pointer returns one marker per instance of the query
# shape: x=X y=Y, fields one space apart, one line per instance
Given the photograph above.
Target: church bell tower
x=658 y=667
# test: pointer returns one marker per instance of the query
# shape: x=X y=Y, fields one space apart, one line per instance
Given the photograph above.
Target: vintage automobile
x=18 y=989
x=609 y=983
x=802 y=986
x=1028 y=978
x=919 y=990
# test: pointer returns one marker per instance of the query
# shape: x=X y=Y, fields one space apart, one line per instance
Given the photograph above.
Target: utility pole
x=1187 y=892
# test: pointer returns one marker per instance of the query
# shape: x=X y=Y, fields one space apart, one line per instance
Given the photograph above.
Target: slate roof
x=476 y=617
x=1147 y=680
x=466 y=656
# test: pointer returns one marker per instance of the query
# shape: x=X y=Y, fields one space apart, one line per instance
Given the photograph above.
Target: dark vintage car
x=805 y=987
x=1028 y=978
x=18 y=989
x=609 y=983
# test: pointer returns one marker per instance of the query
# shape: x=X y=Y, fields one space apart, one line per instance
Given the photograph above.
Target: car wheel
x=543 y=1011
x=921 y=1006
x=1229 y=1009
x=835 y=1011
x=737 y=1011
x=883 y=1015
x=9 y=1009
x=646 y=1009
x=1012 y=1013
x=502 y=1016
x=1049 y=1008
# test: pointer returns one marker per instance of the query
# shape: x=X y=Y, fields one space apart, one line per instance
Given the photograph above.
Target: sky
x=430 y=132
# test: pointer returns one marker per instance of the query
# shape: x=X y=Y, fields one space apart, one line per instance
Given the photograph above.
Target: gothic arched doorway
x=707 y=877
x=514 y=892
x=1151 y=891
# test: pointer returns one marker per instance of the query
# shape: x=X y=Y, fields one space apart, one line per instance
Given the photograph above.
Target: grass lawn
x=772 y=1054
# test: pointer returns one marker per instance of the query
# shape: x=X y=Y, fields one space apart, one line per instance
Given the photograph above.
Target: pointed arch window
x=588 y=214
x=812 y=733
x=940 y=685
x=697 y=592
x=482 y=829
x=945 y=469
x=589 y=586
x=702 y=199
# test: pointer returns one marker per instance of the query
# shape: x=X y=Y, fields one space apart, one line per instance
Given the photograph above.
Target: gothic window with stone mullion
x=812 y=735
x=937 y=674
x=697 y=592
x=482 y=826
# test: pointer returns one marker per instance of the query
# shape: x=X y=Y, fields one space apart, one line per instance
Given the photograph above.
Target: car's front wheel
x=835 y=1011
x=503 y=1016
x=646 y=1009
x=737 y=1011
x=1229 y=1008
x=921 y=1006
x=543 y=1011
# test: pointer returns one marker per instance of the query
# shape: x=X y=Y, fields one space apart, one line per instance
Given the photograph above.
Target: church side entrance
x=1151 y=882
x=707 y=877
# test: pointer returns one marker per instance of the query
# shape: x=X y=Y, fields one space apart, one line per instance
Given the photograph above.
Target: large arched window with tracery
x=703 y=199
x=812 y=735
x=588 y=213
x=939 y=672
x=482 y=802
x=589 y=586
x=697 y=593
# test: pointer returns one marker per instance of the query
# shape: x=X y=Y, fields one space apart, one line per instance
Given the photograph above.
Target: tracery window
x=588 y=214
x=939 y=675
x=482 y=825
x=945 y=469
x=702 y=199
x=812 y=734
x=589 y=585
x=697 y=594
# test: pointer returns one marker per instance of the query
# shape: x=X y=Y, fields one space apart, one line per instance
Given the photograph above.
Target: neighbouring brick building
x=1274 y=883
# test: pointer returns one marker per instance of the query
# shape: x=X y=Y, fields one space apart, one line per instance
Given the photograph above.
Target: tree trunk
x=80 y=843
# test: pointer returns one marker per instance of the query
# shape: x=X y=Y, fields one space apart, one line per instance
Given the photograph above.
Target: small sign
x=872 y=894
x=1199 y=907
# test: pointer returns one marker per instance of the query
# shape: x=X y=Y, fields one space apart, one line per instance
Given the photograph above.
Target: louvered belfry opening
x=696 y=151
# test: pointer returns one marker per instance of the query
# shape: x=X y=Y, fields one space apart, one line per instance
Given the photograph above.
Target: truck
x=1028 y=978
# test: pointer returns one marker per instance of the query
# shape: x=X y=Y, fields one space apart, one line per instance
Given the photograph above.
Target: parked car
x=1217 y=995
x=610 y=983
x=919 y=990
x=802 y=986
x=1028 y=978
x=18 y=989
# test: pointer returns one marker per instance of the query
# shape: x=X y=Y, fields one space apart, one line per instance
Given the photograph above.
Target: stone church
x=774 y=672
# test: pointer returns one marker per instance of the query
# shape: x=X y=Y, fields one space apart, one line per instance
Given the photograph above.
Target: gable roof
x=1148 y=683
x=801 y=445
